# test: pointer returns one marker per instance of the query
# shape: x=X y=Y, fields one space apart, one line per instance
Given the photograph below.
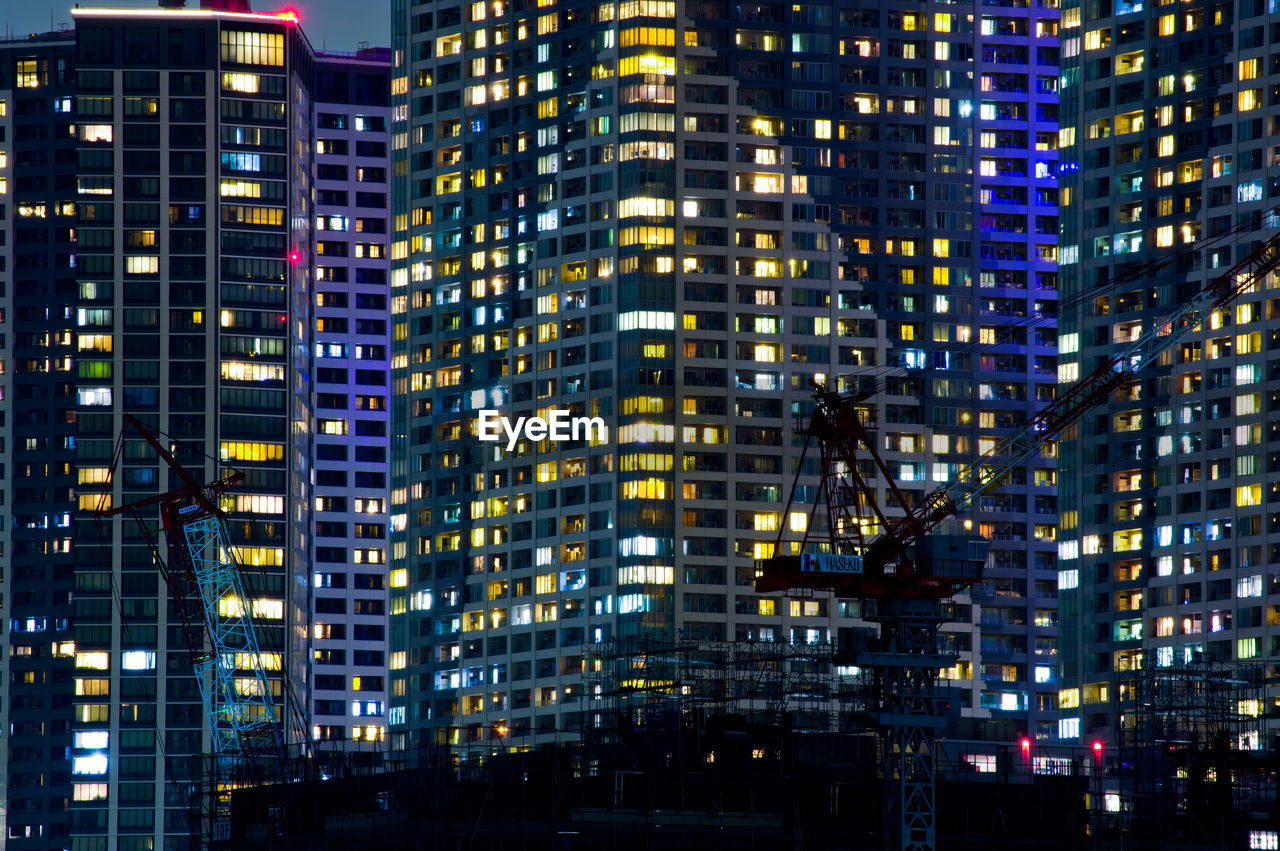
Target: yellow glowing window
x=247 y=215
x=246 y=83
x=1249 y=495
x=240 y=189
x=646 y=207
x=766 y=522
x=29 y=73
x=1249 y=99
x=650 y=64
x=647 y=36
x=92 y=475
x=95 y=661
x=1097 y=39
x=249 y=451
x=93 y=501
x=253 y=48
x=240 y=371
x=259 y=556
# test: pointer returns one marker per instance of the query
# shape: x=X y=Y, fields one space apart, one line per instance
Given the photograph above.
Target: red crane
x=906 y=566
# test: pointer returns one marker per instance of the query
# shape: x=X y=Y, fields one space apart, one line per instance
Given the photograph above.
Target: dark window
x=329 y=452
x=141 y=46
x=187 y=47
x=331 y=479
x=186 y=136
x=371 y=454
x=94 y=45
x=330 y=605
x=186 y=109
x=141 y=81
x=327 y=375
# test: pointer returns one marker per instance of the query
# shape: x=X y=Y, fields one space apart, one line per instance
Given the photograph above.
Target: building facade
x=352 y=383
x=194 y=315
x=1165 y=537
x=674 y=216
x=37 y=434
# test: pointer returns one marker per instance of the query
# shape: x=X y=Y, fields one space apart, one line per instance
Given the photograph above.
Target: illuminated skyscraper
x=37 y=433
x=675 y=216
x=1166 y=545
x=194 y=314
x=352 y=378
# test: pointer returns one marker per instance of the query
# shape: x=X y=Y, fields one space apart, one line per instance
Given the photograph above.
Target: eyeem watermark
x=560 y=425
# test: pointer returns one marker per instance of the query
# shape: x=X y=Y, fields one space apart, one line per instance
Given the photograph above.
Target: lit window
x=982 y=763
x=91 y=764
x=28 y=73
x=138 y=660
x=253 y=48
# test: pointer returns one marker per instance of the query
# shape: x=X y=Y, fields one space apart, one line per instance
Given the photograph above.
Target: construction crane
x=906 y=566
x=209 y=592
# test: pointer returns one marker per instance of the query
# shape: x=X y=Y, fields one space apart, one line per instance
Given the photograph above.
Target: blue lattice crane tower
x=213 y=601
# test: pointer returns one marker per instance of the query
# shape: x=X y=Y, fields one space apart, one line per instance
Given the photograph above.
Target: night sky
x=329 y=24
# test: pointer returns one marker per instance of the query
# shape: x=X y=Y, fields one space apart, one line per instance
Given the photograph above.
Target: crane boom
x=1070 y=406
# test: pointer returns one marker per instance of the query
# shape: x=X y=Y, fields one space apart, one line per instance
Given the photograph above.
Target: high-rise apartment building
x=193 y=258
x=37 y=434
x=352 y=384
x=1165 y=541
x=674 y=216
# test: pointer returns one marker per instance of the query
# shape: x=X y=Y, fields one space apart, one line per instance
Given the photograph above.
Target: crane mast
x=906 y=566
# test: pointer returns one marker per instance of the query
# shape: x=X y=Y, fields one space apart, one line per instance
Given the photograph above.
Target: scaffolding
x=638 y=681
x=1198 y=753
